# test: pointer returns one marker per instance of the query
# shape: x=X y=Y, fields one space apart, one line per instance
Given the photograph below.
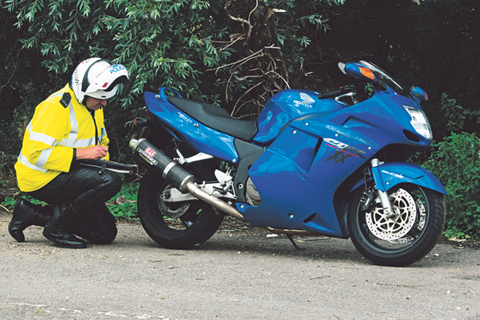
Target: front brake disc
x=393 y=228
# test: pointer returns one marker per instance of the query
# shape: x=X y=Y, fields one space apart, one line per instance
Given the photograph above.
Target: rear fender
x=183 y=127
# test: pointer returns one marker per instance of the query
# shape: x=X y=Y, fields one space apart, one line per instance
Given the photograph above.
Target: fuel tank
x=286 y=106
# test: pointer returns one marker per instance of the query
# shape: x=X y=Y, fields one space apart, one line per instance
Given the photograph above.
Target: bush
x=124 y=204
x=455 y=161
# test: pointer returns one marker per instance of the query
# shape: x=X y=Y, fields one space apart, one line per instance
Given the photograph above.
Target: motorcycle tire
x=401 y=240
x=176 y=225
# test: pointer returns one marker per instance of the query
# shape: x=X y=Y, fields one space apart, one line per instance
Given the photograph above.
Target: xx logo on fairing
x=343 y=151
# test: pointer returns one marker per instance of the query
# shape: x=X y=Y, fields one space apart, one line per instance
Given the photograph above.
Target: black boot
x=27 y=214
x=58 y=228
x=97 y=226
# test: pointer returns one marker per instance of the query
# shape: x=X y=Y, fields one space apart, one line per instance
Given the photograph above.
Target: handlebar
x=332 y=94
x=103 y=165
x=348 y=89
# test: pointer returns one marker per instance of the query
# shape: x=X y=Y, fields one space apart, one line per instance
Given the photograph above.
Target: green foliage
x=456 y=162
x=9 y=202
x=124 y=209
x=158 y=41
x=454 y=114
x=300 y=29
x=446 y=41
x=427 y=43
x=13 y=124
x=162 y=43
x=20 y=89
x=127 y=210
x=179 y=44
x=176 y=44
x=7 y=174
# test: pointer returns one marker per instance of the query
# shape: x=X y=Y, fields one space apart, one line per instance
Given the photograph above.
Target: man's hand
x=93 y=153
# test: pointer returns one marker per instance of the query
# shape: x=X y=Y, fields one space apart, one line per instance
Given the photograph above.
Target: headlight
x=420 y=122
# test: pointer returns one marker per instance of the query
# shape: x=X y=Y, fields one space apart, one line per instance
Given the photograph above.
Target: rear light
x=140 y=122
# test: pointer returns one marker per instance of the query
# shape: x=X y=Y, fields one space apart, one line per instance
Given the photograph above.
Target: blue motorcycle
x=329 y=164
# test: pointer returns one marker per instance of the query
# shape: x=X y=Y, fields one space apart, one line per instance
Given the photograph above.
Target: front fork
x=370 y=190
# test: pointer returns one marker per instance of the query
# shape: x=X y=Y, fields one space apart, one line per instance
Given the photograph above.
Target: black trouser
x=86 y=191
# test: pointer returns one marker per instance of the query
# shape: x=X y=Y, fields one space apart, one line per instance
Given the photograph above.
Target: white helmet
x=97 y=78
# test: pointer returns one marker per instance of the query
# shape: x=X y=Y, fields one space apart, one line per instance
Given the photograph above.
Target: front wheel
x=403 y=239
x=175 y=225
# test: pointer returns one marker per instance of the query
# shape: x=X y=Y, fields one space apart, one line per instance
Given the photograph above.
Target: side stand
x=293 y=242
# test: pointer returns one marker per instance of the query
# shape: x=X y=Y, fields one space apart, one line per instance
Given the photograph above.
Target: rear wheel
x=175 y=225
x=403 y=239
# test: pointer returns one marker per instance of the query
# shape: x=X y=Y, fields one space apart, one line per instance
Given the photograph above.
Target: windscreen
x=385 y=78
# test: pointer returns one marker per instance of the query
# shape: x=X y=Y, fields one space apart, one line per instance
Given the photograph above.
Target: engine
x=253 y=197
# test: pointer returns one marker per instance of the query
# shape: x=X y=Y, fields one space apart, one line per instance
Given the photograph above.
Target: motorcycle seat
x=216 y=118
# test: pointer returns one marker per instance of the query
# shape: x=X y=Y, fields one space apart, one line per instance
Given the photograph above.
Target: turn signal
x=367 y=73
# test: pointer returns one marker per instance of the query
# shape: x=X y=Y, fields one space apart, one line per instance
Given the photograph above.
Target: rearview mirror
x=419 y=93
x=357 y=71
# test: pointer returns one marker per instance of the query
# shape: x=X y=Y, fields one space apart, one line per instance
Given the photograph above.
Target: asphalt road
x=238 y=274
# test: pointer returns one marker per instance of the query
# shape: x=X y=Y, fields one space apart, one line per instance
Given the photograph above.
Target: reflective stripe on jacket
x=50 y=137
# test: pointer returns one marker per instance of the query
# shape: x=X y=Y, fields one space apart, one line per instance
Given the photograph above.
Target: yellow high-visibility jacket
x=59 y=125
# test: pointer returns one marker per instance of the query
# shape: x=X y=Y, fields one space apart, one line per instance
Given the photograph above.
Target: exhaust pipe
x=177 y=176
x=159 y=162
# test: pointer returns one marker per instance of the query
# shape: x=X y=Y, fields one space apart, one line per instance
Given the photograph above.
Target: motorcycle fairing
x=247 y=155
x=278 y=112
x=389 y=175
x=299 y=164
x=182 y=126
x=314 y=155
